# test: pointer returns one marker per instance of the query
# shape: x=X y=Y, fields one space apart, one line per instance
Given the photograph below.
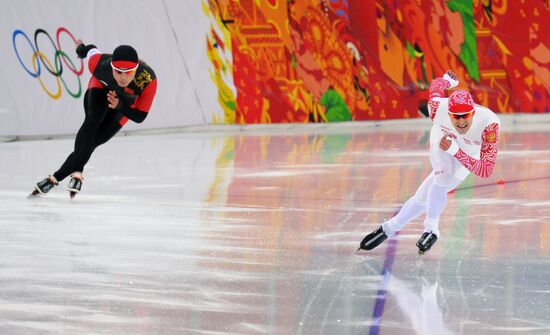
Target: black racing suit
x=101 y=123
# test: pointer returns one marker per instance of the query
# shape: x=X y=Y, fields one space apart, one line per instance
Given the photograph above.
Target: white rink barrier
x=43 y=82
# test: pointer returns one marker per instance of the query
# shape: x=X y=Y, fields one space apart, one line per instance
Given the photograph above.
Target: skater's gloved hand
x=451 y=78
x=83 y=49
x=448 y=145
x=112 y=99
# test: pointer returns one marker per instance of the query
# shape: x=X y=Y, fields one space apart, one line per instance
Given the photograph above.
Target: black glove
x=82 y=49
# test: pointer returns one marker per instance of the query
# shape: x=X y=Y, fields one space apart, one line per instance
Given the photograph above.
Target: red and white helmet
x=460 y=102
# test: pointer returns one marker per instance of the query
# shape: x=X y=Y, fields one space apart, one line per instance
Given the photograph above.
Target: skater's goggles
x=465 y=116
x=124 y=70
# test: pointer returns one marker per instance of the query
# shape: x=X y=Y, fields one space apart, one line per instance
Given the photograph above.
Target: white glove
x=450 y=77
x=453 y=149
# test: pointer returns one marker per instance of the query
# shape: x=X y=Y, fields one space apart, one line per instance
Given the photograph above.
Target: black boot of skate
x=373 y=239
x=44 y=186
x=75 y=185
x=426 y=241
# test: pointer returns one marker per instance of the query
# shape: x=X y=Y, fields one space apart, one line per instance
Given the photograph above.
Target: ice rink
x=255 y=230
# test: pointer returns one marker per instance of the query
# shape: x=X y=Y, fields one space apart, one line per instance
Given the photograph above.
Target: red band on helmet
x=461 y=109
x=124 y=65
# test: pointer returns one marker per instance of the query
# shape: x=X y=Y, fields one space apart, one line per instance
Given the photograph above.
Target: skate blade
x=420 y=252
x=34 y=194
x=72 y=194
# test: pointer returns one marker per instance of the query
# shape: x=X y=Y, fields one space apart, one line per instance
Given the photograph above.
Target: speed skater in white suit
x=463 y=140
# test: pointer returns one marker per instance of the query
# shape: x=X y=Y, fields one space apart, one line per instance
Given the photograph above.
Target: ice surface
x=255 y=232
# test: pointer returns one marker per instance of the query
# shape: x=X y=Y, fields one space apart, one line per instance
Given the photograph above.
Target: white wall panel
x=169 y=35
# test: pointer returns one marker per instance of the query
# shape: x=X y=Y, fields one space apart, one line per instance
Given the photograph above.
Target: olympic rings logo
x=55 y=69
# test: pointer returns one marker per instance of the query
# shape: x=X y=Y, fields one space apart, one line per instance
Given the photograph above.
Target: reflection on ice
x=420 y=305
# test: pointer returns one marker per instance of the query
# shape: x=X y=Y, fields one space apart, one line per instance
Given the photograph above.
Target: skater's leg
x=413 y=208
x=108 y=128
x=416 y=205
x=446 y=178
x=449 y=173
x=437 y=200
x=95 y=106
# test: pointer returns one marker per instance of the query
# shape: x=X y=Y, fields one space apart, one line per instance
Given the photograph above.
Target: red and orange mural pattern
x=279 y=61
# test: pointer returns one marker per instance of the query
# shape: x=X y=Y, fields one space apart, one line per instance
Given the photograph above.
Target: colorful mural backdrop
x=337 y=60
